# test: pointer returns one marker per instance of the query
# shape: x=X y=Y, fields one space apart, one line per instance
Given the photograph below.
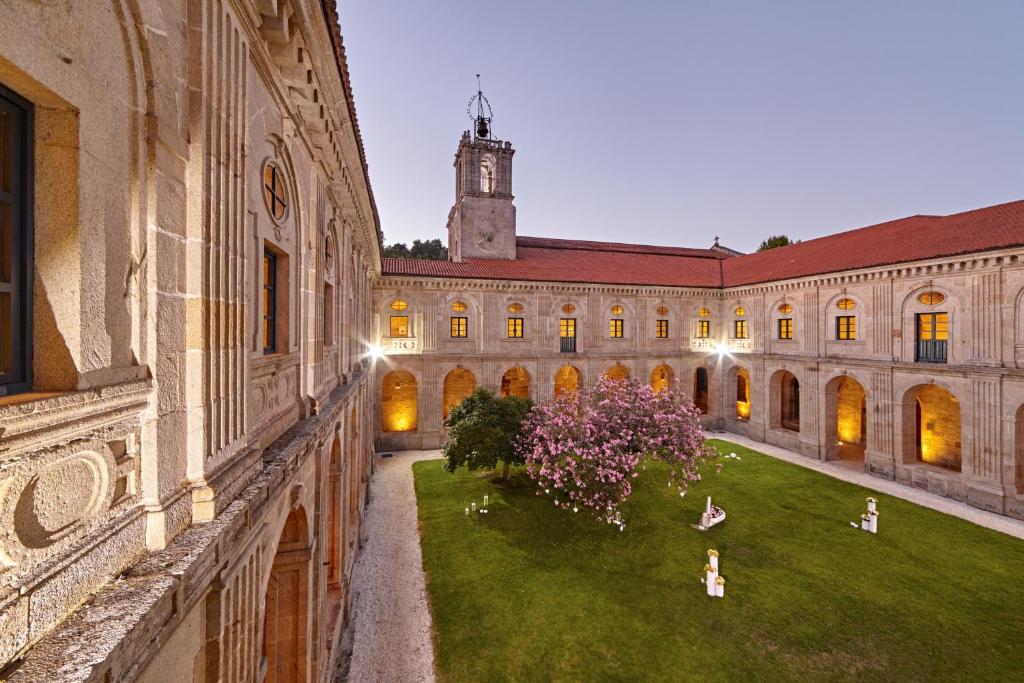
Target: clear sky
x=670 y=122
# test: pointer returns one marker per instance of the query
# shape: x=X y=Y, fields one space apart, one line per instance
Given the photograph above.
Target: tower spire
x=483 y=115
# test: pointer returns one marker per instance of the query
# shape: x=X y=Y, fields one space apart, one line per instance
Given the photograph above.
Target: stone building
x=189 y=241
x=898 y=346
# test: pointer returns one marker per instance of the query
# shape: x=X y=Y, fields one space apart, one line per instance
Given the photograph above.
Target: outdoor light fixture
x=375 y=351
x=721 y=348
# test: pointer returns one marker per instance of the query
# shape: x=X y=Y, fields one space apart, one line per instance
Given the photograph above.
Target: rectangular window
x=15 y=242
x=328 y=314
x=661 y=332
x=703 y=329
x=269 y=301
x=567 y=335
x=615 y=328
x=846 y=327
x=739 y=329
x=515 y=328
x=460 y=327
x=399 y=326
x=932 y=337
x=785 y=328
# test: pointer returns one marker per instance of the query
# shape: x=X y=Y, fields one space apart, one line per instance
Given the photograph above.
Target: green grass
x=533 y=593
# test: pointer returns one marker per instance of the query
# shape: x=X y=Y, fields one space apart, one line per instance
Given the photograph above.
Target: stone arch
x=617 y=372
x=846 y=408
x=662 y=378
x=567 y=380
x=1018 y=450
x=785 y=401
x=515 y=382
x=458 y=384
x=932 y=427
x=701 y=390
x=398 y=402
x=286 y=607
x=335 y=516
x=742 y=384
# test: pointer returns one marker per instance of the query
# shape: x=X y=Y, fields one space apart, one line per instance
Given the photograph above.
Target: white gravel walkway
x=391 y=620
x=840 y=470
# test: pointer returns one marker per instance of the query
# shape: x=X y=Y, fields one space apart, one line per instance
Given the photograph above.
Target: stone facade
x=853 y=381
x=181 y=493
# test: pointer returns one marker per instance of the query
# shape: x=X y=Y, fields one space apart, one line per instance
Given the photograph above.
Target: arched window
x=617 y=372
x=789 y=398
x=935 y=413
x=458 y=384
x=742 y=394
x=399 y=323
x=487 y=174
x=275 y=193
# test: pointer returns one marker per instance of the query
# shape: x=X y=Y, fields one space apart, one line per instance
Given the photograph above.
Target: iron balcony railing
x=931 y=351
x=568 y=344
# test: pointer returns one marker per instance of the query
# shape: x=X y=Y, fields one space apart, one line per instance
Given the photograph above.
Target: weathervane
x=483 y=115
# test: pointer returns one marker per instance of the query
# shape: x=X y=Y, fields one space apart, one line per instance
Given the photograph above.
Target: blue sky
x=671 y=122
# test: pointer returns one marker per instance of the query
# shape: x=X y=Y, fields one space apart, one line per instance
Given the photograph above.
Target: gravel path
x=391 y=620
x=840 y=470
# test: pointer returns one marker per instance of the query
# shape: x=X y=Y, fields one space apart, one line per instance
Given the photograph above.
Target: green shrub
x=483 y=431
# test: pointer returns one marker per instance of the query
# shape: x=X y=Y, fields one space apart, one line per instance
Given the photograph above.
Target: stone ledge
x=114 y=635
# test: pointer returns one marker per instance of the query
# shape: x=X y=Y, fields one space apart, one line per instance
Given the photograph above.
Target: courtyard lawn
x=530 y=592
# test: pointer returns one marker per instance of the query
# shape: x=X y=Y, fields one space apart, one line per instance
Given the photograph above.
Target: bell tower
x=482 y=223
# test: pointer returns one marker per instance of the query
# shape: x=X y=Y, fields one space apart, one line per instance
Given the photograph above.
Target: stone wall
x=983 y=296
x=148 y=475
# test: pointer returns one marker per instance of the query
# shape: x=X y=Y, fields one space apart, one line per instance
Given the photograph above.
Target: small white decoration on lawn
x=467 y=511
x=709 y=579
x=873 y=522
x=713 y=559
x=712 y=515
x=872 y=505
x=720 y=587
x=865 y=522
x=472 y=506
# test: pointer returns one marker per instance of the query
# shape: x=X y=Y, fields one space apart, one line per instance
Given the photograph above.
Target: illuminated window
x=568 y=309
x=399 y=326
x=739 y=329
x=269 y=301
x=703 y=329
x=459 y=307
x=460 y=327
x=16 y=271
x=932 y=337
x=274 y=192
x=615 y=328
x=704 y=313
x=740 y=311
x=662 y=330
x=785 y=309
x=617 y=310
x=567 y=327
x=846 y=327
x=328 y=313
x=399 y=305
x=931 y=298
x=785 y=328
x=662 y=310
x=515 y=308
x=515 y=328
x=845 y=304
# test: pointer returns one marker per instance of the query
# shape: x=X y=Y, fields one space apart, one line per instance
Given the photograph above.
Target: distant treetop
x=430 y=250
x=776 y=241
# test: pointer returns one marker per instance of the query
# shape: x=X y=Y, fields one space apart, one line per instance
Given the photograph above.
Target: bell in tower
x=482 y=224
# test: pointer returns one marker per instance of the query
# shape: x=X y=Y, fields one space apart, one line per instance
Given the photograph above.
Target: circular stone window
x=931 y=298
x=740 y=311
x=617 y=310
x=845 y=304
x=703 y=312
x=275 y=192
x=785 y=309
x=568 y=309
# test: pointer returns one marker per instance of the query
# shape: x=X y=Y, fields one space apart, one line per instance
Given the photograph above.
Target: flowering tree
x=586 y=447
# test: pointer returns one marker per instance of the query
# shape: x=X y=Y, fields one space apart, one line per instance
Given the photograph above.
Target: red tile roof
x=907 y=239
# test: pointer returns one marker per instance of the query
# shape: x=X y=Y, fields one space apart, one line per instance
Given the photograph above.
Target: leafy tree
x=431 y=250
x=483 y=430
x=776 y=241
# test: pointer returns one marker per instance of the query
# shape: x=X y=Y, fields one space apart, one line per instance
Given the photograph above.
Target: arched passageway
x=286 y=609
x=458 y=384
x=847 y=405
x=398 y=402
x=785 y=401
x=1018 y=450
x=661 y=378
x=700 y=389
x=617 y=372
x=742 y=394
x=567 y=380
x=931 y=427
x=335 y=521
x=515 y=382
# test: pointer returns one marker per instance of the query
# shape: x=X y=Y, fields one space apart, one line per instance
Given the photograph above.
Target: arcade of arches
x=567 y=380
x=700 y=390
x=848 y=424
x=458 y=384
x=515 y=382
x=932 y=420
x=286 y=614
x=398 y=402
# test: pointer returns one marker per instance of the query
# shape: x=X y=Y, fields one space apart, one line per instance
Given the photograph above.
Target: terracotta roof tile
x=907 y=239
